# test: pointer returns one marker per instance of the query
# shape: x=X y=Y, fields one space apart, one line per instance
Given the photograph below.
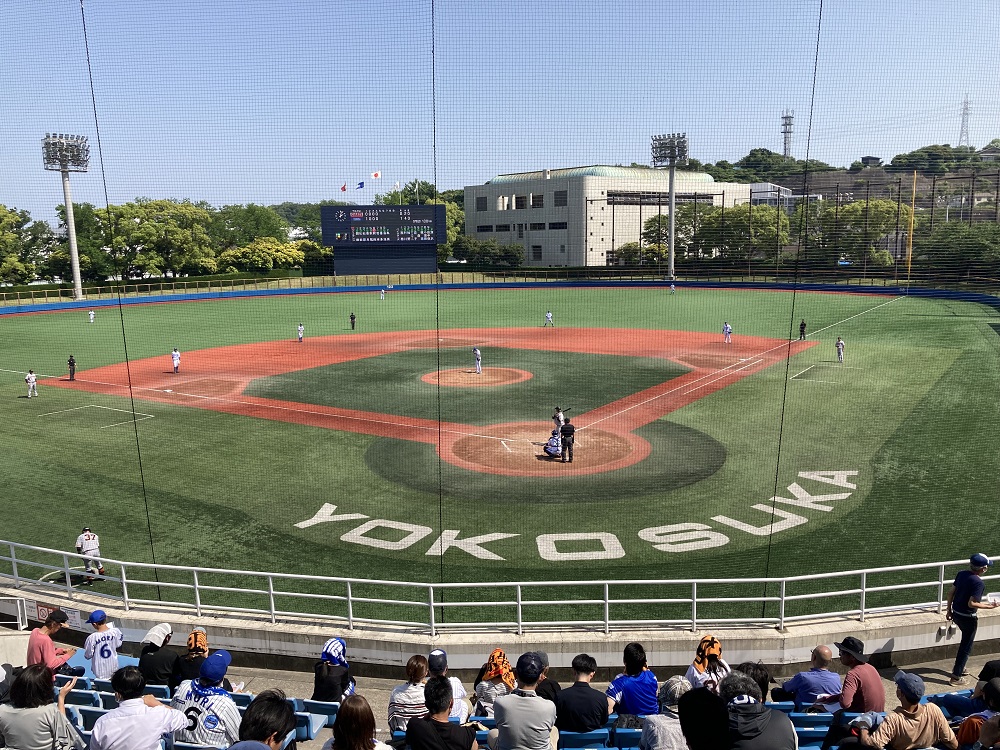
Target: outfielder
x=840 y=349
x=479 y=360
x=89 y=545
x=302 y=330
x=548 y=319
x=727 y=332
x=175 y=359
x=101 y=647
x=91 y=314
x=32 y=380
x=213 y=718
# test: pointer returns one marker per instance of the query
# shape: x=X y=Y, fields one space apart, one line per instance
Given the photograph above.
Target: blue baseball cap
x=97 y=616
x=979 y=560
x=910 y=685
x=213 y=669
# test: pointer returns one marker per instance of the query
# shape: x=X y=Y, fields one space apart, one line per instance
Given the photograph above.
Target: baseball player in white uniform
x=381 y=294
x=101 y=646
x=479 y=360
x=558 y=419
x=32 y=380
x=548 y=319
x=175 y=359
x=91 y=314
x=88 y=544
x=727 y=332
x=840 y=349
x=213 y=718
x=302 y=330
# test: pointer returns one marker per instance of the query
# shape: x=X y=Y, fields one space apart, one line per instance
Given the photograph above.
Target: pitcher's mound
x=491 y=376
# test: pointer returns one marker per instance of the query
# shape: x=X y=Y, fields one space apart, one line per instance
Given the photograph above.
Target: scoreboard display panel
x=384 y=239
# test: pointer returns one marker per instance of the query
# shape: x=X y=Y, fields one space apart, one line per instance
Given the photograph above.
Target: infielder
x=89 y=545
x=840 y=349
x=101 y=647
x=302 y=330
x=32 y=380
x=548 y=319
x=479 y=360
x=175 y=359
x=71 y=363
x=213 y=718
x=727 y=332
x=91 y=314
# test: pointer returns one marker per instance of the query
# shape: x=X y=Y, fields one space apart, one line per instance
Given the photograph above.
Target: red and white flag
x=343 y=188
x=376 y=175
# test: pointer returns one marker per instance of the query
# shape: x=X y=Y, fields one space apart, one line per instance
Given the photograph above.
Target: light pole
x=670 y=150
x=68 y=153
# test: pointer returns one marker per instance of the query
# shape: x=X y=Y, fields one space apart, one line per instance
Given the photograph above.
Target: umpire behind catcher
x=568 y=434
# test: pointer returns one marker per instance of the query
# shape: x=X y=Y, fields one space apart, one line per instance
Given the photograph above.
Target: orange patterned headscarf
x=198 y=642
x=498 y=666
x=709 y=650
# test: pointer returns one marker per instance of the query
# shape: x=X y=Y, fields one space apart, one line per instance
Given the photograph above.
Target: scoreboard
x=384 y=239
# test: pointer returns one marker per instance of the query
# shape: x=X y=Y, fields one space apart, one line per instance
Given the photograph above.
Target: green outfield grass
x=913 y=411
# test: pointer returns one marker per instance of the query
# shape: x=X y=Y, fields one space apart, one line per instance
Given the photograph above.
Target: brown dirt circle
x=516 y=450
x=462 y=378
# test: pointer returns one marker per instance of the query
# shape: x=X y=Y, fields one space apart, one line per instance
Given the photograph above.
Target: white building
x=577 y=216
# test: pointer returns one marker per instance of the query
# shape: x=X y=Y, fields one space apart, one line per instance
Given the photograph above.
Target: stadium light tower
x=68 y=153
x=670 y=150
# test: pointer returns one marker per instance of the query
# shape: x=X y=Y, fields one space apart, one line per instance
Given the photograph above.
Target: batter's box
x=101 y=419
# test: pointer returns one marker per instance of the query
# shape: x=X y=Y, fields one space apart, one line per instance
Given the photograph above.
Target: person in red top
x=863 y=690
x=41 y=649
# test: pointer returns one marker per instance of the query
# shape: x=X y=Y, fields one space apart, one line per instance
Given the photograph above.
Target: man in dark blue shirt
x=964 y=599
x=581 y=708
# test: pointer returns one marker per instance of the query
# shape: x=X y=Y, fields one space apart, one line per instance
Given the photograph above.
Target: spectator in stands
x=496 y=678
x=332 y=681
x=437 y=665
x=662 y=731
x=213 y=718
x=908 y=727
x=156 y=661
x=6 y=680
x=547 y=688
x=434 y=731
x=752 y=725
x=41 y=649
x=968 y=730
x=266 y=722
x=188 y=667
x=633 y=692
x=138 y=721
x=708 y=668
x=757 y=672
x=407 y=700
x=32 y=720
x=958 y=704
x=581 y=708
x=964 y=603
x=862 y=690
x=704 y=720
x=525 y=721
x=354 y=728
x=806 y=687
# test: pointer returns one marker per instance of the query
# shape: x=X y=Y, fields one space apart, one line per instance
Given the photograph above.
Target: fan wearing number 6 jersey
x=213 y=718
x=101 y=647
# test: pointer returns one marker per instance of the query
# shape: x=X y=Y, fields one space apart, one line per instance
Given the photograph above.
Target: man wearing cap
x=662 y=731
x=138 y=721
x=89 y=545
x=437 y=665
x=964 y=601
x=581 y=708
x=524 y=720
x=213 y=718
x=752 y=725
x=41 y=649
x=156 y=661
x=547 y=687
x=862 y=690
x=101 y=646
x=806 y=687
x=912 y=725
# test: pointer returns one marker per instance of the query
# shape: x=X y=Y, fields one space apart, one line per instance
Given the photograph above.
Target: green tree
x=487 y=253
x=262 y=255
x=744 y=230
x=955 y=248
x=414 y=192
x=861 y=224
x=238 y=226
x=171 y=237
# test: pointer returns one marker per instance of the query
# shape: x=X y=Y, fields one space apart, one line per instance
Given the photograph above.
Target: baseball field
x=379 y=453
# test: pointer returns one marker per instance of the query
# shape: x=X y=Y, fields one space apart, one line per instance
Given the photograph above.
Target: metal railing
x=603 y=605
x=20 y=620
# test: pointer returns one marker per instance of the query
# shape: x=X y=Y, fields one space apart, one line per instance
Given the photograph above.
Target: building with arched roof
x=579 y=216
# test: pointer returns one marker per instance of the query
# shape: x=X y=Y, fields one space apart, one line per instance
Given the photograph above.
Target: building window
x=484 y=228
x=503 y=227
x=520 y=201
x=502 y=202
x=520 y=231
x=562 y=248
x=536 y=226
x=481 y=203
x=561 y=198
x=557 y=225
x=536 y=252
x=538 y=200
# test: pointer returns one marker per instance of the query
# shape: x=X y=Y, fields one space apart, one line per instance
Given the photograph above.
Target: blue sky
x=237 y=102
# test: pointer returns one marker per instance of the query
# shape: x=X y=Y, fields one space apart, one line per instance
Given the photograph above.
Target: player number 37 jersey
x=88 y=542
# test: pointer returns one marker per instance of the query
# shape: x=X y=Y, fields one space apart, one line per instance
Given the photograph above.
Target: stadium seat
x=810 y=736
x=824 y=719
x=82 y=698
x=159 y=691
x=296 y=704
x=783 y=706
x=89 y=716
x=107 y=700
x=487 y=721
x=481 y=736
x=398 y=735
x=627 y=738
x=610 y=723
x=307 y=725
x=241 y=699
x=322 y=708
x=82 y=683
x=101 y=686
x=189 y=746
x=595 y=738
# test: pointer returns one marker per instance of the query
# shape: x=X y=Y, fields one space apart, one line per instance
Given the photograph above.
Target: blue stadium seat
x=322 y=708
x=627 y=738
x=189 y=746
x=296 y=704
x=811 y=736
x=82 y=683
x=89 y=716
x=107 y=700
x=610 y=723
x=824 y=719
x=481 y=736
x=783 y=706
x=241 y=699
x=82 y=698
x=398 y=735
x=101 y=686
x=595 y=738
x=307 y=725
x=159 y=691
x=487 y=721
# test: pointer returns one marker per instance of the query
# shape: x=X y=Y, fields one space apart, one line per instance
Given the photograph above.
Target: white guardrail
x=598 y=605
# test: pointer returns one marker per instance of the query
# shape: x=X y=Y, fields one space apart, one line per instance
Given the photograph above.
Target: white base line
x=139 y=416
x=813 y=380
x=800 y=373
x=128 y=421
x=504 y=444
